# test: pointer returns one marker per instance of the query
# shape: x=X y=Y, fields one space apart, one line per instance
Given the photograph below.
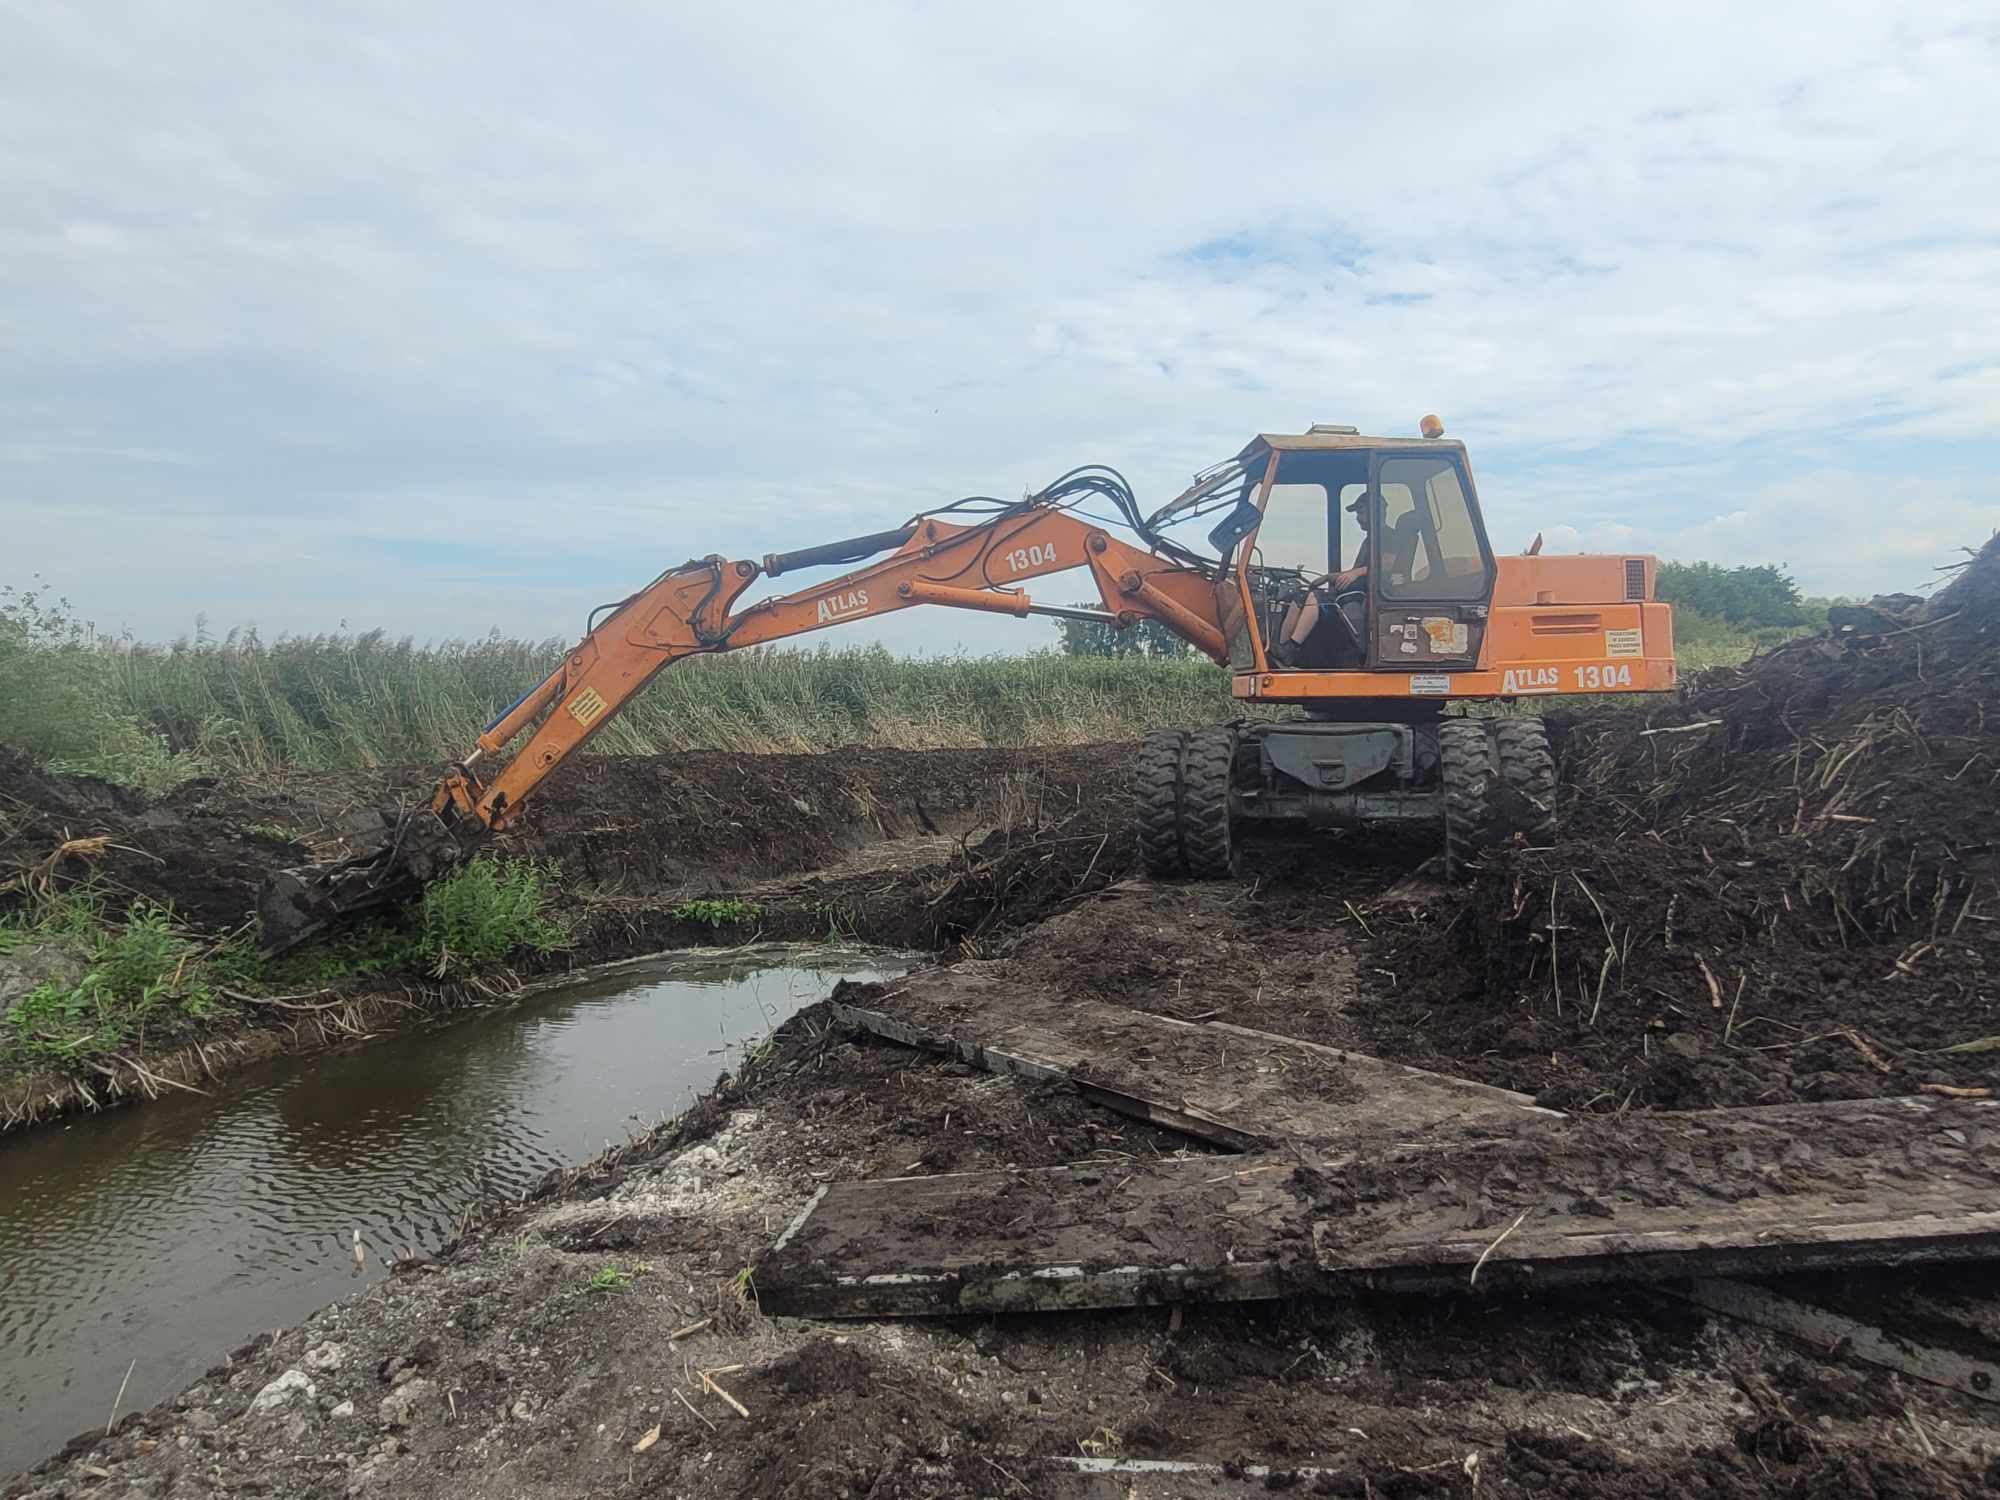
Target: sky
x=454 y=317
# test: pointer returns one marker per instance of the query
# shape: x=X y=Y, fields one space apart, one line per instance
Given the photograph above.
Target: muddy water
x=161 y=1236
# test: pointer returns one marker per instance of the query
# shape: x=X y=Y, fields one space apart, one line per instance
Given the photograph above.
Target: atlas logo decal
x=840 y=606
x=1531 y=680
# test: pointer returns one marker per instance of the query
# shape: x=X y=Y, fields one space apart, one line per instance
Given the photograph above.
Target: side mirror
x=1232 y=528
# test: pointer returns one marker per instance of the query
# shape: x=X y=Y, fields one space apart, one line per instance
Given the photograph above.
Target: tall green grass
x=155 y=714
x=326 y=702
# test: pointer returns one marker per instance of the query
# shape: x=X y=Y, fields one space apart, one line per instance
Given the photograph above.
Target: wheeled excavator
x=1367 y=658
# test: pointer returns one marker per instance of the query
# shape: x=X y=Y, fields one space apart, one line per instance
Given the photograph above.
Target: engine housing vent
x=1635 y=578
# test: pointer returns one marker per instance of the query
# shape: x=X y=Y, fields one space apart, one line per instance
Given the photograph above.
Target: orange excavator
x=1426 y=615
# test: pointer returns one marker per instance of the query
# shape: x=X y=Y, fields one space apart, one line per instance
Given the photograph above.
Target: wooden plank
x=1697 y=1193
x=1228 y=1085
x=1215 y=1229
x=1043 y=1063
x=1707 y=1193
x=1975 y=1374
x=1663 y=1244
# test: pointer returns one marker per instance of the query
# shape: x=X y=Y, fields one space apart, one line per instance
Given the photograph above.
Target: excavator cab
x=1330 y=504
x=1357 y=581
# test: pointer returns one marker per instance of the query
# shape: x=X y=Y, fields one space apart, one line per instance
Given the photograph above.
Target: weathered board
x=1211 y=1229
x=1972 y=1367
x=1228 y=1085
x=1710 y=1193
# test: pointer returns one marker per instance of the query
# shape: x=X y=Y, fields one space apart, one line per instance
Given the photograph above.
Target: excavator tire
x=1466 y=767
x=1157 y=794
x=1207 y=836
x=1525 y=795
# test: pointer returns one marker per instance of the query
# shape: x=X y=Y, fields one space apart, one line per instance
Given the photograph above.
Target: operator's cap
x=1358 y=501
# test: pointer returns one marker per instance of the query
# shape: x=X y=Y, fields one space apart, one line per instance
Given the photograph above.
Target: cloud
x=449 y=318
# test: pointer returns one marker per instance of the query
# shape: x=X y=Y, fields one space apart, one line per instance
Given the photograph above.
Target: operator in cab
x=1346 y=591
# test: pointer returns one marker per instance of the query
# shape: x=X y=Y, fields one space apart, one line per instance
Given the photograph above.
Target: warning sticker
x=1430 y=682
x=1448 y=637
x=1622 y=643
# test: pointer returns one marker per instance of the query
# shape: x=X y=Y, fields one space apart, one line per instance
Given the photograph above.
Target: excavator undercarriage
x=1480 y=782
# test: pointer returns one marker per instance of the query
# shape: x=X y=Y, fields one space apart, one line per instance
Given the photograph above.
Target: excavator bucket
x=394 y=854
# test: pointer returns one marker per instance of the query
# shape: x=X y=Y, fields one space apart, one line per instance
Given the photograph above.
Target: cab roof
x=1326 y=440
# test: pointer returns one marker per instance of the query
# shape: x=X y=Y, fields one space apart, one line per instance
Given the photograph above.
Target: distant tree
x=1098 y=638
x=1750 y=597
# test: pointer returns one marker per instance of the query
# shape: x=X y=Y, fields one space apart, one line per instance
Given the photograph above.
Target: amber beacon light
x=1431 y=427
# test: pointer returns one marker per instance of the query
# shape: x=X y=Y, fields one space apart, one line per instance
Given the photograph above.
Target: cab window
x=1301 y=529
x=1293 y=533
x=1429 y=544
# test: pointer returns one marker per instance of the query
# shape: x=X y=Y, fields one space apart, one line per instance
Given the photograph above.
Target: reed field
x=155 y=714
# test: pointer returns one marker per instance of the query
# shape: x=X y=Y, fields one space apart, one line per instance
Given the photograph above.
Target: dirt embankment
x=904 y=847
x=1784 y=886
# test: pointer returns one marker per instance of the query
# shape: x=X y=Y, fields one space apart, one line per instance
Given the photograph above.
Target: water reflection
x=172 y=1231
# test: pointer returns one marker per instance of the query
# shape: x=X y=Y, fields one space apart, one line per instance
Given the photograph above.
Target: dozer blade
x=395 y=854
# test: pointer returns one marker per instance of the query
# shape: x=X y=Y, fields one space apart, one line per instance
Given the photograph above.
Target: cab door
x=1430 y=568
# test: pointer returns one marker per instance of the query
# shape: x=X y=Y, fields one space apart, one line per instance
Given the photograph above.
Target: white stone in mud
x=327 y=1356
x=282 y=1392
x=401 y=1404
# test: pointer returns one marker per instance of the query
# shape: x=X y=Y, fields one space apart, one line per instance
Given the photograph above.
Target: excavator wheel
x=1465 y=771
x=1525 y=795
x=1157 y=793
x=1208 y=837
x=1499 y=783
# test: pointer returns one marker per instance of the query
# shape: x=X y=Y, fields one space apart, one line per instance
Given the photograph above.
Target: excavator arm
x=692 y=611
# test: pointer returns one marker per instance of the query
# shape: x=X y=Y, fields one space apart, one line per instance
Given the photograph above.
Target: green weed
x=611 y=1279
x=120 y=982
x=725 y=911
x=110 y=980
x=486 y=911
x=480 y=914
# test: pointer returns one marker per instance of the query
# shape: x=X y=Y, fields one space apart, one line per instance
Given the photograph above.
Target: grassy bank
x=81 y=988
x=154 y=715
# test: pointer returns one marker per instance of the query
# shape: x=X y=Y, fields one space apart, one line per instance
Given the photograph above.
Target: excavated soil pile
x=1783 y=887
